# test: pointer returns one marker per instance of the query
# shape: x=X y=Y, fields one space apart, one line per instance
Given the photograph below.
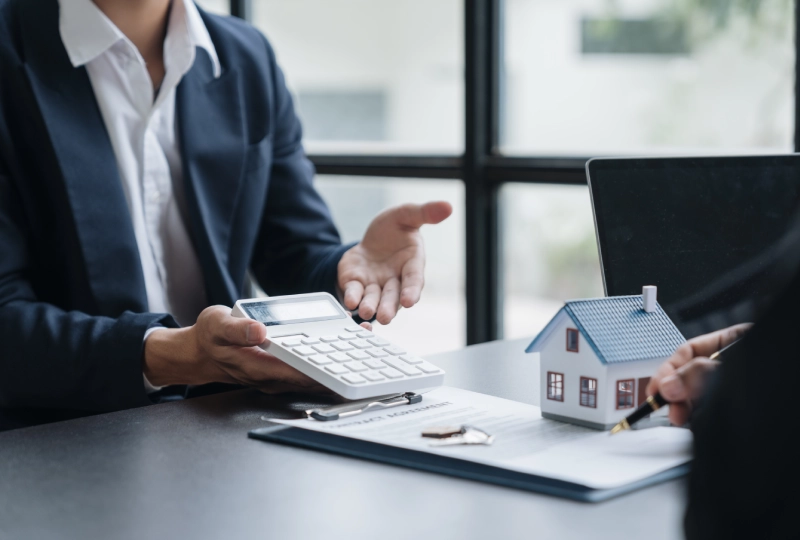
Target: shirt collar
x=87 y=33
x=198 y=34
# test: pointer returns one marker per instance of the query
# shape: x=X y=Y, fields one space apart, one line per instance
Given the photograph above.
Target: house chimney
x=649 y=298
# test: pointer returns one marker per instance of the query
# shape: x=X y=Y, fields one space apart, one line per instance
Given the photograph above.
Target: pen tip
x=619 y=427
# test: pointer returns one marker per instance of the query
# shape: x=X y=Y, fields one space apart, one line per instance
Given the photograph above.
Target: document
x=524 y=441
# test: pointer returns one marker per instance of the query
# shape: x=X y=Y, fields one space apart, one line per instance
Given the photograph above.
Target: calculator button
x=303 y=351
x=310 y=341
x=329 y=339
x=342 y=346
x=428 y=368
x=365 y=334
x=374 y=363
x=323 y=348
x=403 y=367
x=354 y=379
x=336 y=369
x=339 y=357
x=377 y=353
x=294 y=342
x=395 y=351
x=319 y=360
x=355 y=366
x=359 y=355
x=413 y=360
x=347 y=337
x=390 y=373
x=354 y=328
x=360 y=344
x=378 y=342
x=372 y=376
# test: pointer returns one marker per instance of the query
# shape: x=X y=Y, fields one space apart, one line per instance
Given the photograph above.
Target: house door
x=643 y=382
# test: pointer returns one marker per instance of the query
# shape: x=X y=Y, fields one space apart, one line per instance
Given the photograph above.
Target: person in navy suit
x=151 y=164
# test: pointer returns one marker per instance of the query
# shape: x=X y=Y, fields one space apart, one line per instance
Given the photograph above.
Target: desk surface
x=188 y=470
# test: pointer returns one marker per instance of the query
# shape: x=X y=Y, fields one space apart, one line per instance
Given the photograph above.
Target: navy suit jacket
x=73 y=308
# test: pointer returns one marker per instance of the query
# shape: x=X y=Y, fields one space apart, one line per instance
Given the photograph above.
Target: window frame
x=619 y=393
x=555 y=386
x=588 y=392
x=481 y=167
x=574 y=332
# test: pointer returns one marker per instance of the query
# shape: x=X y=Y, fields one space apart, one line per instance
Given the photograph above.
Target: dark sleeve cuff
x=127 y=338
x=323 y=275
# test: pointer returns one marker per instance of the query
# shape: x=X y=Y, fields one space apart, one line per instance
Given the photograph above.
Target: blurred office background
x=495 y=105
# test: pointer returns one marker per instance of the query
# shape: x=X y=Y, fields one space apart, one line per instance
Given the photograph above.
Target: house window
x=572 y=340
x=625 y=394
x=555 y=386
x=588 y=392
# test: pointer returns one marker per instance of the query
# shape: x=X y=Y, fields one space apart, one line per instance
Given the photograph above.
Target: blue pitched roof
x=619 y=330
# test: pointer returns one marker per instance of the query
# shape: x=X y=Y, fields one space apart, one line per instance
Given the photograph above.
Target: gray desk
x=188 y=470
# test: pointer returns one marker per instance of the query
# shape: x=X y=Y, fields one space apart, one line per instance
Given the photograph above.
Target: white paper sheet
x=524 y=441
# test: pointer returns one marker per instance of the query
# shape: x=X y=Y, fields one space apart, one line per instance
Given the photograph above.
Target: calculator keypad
x=358 y=356
x=337 y=369
x=391 y=373
x=319 y=360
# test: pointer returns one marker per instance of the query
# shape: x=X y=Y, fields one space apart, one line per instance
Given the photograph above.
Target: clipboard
x=450 y=466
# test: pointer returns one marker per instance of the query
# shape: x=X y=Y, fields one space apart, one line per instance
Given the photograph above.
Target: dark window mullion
x=481 y=59
x=242 y=9
x=448 y=167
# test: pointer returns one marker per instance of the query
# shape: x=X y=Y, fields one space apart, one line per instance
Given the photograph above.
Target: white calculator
x=316 y=336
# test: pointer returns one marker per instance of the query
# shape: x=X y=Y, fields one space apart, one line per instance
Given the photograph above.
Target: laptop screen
x=706 y=231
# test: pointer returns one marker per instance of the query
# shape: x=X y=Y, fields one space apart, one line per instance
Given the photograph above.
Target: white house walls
x=572 y=366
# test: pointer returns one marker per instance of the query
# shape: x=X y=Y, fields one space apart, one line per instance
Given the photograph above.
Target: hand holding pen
x=682 y=378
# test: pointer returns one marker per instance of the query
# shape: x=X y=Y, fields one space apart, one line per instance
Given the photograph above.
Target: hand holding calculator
x=313 y=334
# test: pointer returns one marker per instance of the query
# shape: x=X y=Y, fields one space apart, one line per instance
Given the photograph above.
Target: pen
x=329 y=414
x=655 y=402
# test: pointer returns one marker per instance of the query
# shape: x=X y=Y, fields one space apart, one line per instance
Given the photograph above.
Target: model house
x=598 y=355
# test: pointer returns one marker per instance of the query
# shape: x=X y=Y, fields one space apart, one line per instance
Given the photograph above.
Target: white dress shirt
x=142 y=130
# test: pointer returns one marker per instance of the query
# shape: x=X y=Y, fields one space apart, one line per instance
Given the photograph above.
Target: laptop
x=716 y=235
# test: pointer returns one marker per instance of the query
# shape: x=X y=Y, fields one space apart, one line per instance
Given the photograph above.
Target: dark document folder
x=424 y=461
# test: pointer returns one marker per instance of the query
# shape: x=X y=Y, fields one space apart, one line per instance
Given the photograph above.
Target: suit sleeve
x=745 y=475
x=50 y=358
x=298 y=247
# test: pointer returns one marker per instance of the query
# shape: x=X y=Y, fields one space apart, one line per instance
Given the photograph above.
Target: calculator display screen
x=290 y=311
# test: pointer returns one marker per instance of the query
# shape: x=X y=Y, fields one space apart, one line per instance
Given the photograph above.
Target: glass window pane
x=372 y=75
x=549 y=253
x=220 y=7
x=594 y=77
x=438 y=322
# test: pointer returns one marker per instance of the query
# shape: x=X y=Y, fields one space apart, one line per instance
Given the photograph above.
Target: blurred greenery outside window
x=622 y=77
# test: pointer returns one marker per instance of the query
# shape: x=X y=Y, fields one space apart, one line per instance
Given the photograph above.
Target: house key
x=469 y=435
x=442 y=432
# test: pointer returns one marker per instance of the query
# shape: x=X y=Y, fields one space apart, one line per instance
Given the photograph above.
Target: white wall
x=555 y=357
x=411 y=50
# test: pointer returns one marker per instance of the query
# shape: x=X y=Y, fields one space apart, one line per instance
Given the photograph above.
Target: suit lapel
x=86 y=160
x=211 y=128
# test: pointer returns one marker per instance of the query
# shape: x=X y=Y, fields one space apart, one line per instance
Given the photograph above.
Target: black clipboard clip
x=329 y=414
